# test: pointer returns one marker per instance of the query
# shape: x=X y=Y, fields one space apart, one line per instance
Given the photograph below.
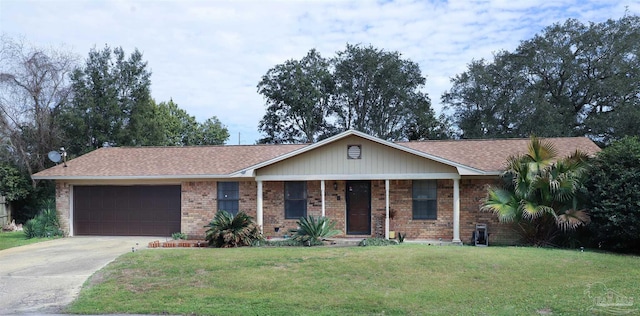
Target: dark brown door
x=126 y=210
x=358 y=207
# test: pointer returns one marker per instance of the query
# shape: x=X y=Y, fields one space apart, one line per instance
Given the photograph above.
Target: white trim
x=322 y=190
x=392 y=176
x=456 y=212
x=386 y=207
x=259 y=210
x=71 y=228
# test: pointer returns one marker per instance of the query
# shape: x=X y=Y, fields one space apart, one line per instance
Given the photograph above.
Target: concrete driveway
x=45 y=277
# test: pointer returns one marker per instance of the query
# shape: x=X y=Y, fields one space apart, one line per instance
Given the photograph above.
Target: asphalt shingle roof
x=167 y=161
x=491 y=154
x=485 y=155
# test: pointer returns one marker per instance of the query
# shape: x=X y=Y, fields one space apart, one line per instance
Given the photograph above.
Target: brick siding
x=63 y=205
x=199 y=205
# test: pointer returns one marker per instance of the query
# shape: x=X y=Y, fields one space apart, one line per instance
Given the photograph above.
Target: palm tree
x=541 y=193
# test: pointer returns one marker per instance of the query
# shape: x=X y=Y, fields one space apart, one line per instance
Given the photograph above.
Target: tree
x=111 y=101
x=33 y=88
x=614 y=187
x=166 y=124
x=580 y=80
x=297 y=95
x=541 y=193
x=369 y=90
x=13 y=183
x=377 y=92
x=213 y=132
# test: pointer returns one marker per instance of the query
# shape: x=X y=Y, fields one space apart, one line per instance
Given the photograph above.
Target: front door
x=358 y=208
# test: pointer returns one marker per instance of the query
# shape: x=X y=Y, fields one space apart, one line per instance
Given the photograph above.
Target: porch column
x=323 y=190
x=386 y=217
x=259 y=207
x=456 y=212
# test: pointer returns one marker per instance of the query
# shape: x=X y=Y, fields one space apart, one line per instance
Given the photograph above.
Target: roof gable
x=376 y=160
x=462 y=169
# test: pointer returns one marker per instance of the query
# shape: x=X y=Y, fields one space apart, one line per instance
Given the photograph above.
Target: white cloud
x=210 y=55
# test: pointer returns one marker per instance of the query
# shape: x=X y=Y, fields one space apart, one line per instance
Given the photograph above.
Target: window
x=425 y=204
x=295 y=199
x=228 y=196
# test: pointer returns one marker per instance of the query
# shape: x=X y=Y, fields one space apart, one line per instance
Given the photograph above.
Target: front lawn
x=15 y=239
x=406 y=279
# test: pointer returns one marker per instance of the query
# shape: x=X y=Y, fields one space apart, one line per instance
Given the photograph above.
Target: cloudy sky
x=210 y=55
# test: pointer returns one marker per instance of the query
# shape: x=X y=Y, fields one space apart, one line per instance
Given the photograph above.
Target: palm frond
x=531 y=210
x=572 y=218
x=501 y=202
x=542 y=154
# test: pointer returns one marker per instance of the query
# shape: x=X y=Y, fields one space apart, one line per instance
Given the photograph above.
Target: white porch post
x=386 y=217
x=456 y=212
x=322 y=188
x=259 y=207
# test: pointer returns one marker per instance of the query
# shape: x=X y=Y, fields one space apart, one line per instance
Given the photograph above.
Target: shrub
x=614 y=187
x=312 y=230
x=226 y=230
x=377 y=242
x=45 y=224
x=176 y=236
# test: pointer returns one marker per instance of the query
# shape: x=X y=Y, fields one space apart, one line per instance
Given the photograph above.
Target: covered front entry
x=126 y=210
x=358 y=207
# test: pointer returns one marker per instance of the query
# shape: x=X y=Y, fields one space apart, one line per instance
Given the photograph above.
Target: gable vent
x=354 y=152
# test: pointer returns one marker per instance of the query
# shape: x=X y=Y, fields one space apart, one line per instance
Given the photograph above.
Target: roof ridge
x=482 y=139
x=202 y=146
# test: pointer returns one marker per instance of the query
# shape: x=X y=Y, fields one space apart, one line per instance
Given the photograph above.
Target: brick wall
x=63 y=205
x=471 y=194
x=400 y=197
x=273 y=207
x=336 y=204
x=200 y=204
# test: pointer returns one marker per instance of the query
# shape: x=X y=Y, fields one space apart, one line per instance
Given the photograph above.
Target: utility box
x=481 y=236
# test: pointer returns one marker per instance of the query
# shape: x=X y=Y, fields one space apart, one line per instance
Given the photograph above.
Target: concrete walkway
x=43 y=278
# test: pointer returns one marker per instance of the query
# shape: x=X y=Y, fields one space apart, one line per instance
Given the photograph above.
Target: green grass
x=16 y=239
x=398 y=280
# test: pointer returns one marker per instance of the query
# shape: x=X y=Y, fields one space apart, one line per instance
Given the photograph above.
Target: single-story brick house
x=371 y=187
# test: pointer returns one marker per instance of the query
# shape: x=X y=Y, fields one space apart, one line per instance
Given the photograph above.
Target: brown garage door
x=126 y=210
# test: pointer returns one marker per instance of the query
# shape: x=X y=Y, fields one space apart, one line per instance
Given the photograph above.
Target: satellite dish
x=54 y=156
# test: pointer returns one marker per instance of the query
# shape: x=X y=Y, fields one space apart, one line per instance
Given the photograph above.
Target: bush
x=226 y=230
x=614 y=187
x=176 y=236
x=312 y=230
x=377 y=242
x=45 y=224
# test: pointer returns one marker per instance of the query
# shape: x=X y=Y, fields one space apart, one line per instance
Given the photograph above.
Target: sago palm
x=226 y=230
x=540 y=189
